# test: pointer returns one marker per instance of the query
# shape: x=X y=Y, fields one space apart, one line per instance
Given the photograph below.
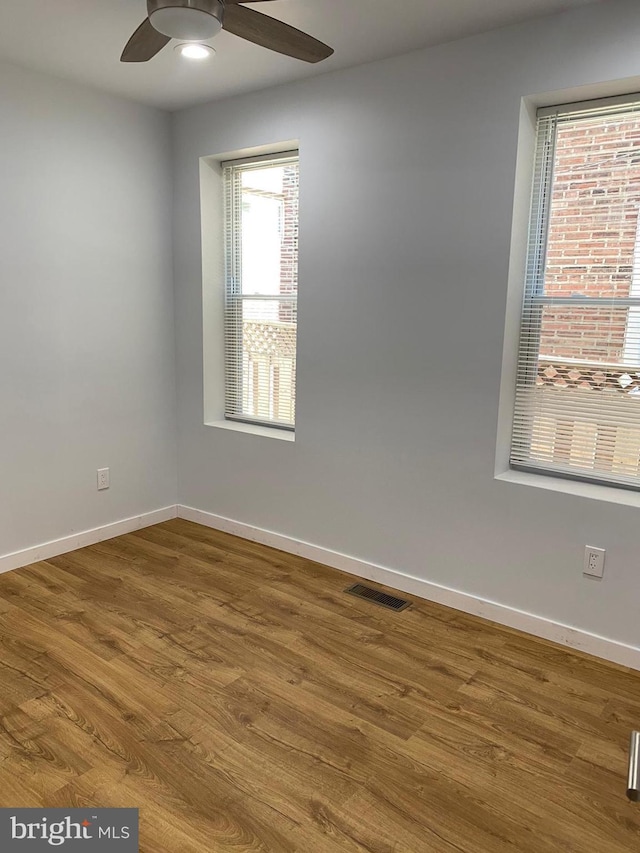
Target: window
x=577 y=409
x=261 y=222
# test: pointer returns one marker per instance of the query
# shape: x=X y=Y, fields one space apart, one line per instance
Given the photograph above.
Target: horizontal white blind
x=260 y=324
x=577 y=409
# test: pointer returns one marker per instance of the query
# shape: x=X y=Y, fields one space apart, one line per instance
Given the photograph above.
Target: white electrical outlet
x=593 y=562
x=103 y=479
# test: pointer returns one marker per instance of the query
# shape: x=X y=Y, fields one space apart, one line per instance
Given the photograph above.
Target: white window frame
x=234 y=296
x=534 y=283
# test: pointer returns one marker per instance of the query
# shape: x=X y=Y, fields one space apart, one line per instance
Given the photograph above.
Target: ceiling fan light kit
x=196 y=20
x=193 y=50
x=200 y=20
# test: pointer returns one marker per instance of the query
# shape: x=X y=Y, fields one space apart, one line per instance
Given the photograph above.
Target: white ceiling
x=83 y=39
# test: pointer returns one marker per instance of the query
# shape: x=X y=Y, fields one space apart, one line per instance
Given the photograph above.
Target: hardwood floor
x=243 y=702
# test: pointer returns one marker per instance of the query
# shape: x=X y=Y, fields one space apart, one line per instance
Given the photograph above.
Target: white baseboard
x=8 y=562
x=539 y=626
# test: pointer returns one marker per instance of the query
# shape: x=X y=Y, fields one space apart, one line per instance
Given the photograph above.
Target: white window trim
x=522 y=179
x=232 y=294
x=521 y=458
x=253 y=429
x=212 y=243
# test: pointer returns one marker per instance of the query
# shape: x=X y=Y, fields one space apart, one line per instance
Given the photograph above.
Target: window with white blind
x=577 y=408
x=261 y=223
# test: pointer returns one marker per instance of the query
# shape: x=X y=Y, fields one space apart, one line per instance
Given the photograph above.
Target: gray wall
x=407 y=186
x=87 y=371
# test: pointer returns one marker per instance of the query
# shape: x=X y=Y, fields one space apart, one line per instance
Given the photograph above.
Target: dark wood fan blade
x=272 y=34
x=144 y=44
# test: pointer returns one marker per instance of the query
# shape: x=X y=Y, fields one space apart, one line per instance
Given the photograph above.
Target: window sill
x=254 y=429
x=593 y=491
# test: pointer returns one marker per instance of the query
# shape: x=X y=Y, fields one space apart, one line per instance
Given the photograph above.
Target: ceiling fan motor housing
x=187 y=20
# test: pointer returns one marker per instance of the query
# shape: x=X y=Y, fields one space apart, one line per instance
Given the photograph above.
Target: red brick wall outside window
x=592 y=236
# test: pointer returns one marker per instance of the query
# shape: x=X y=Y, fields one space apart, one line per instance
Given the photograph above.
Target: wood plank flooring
x=243 y=702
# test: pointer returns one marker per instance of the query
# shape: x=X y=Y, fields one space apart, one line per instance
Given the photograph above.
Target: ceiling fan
x=198 y=20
